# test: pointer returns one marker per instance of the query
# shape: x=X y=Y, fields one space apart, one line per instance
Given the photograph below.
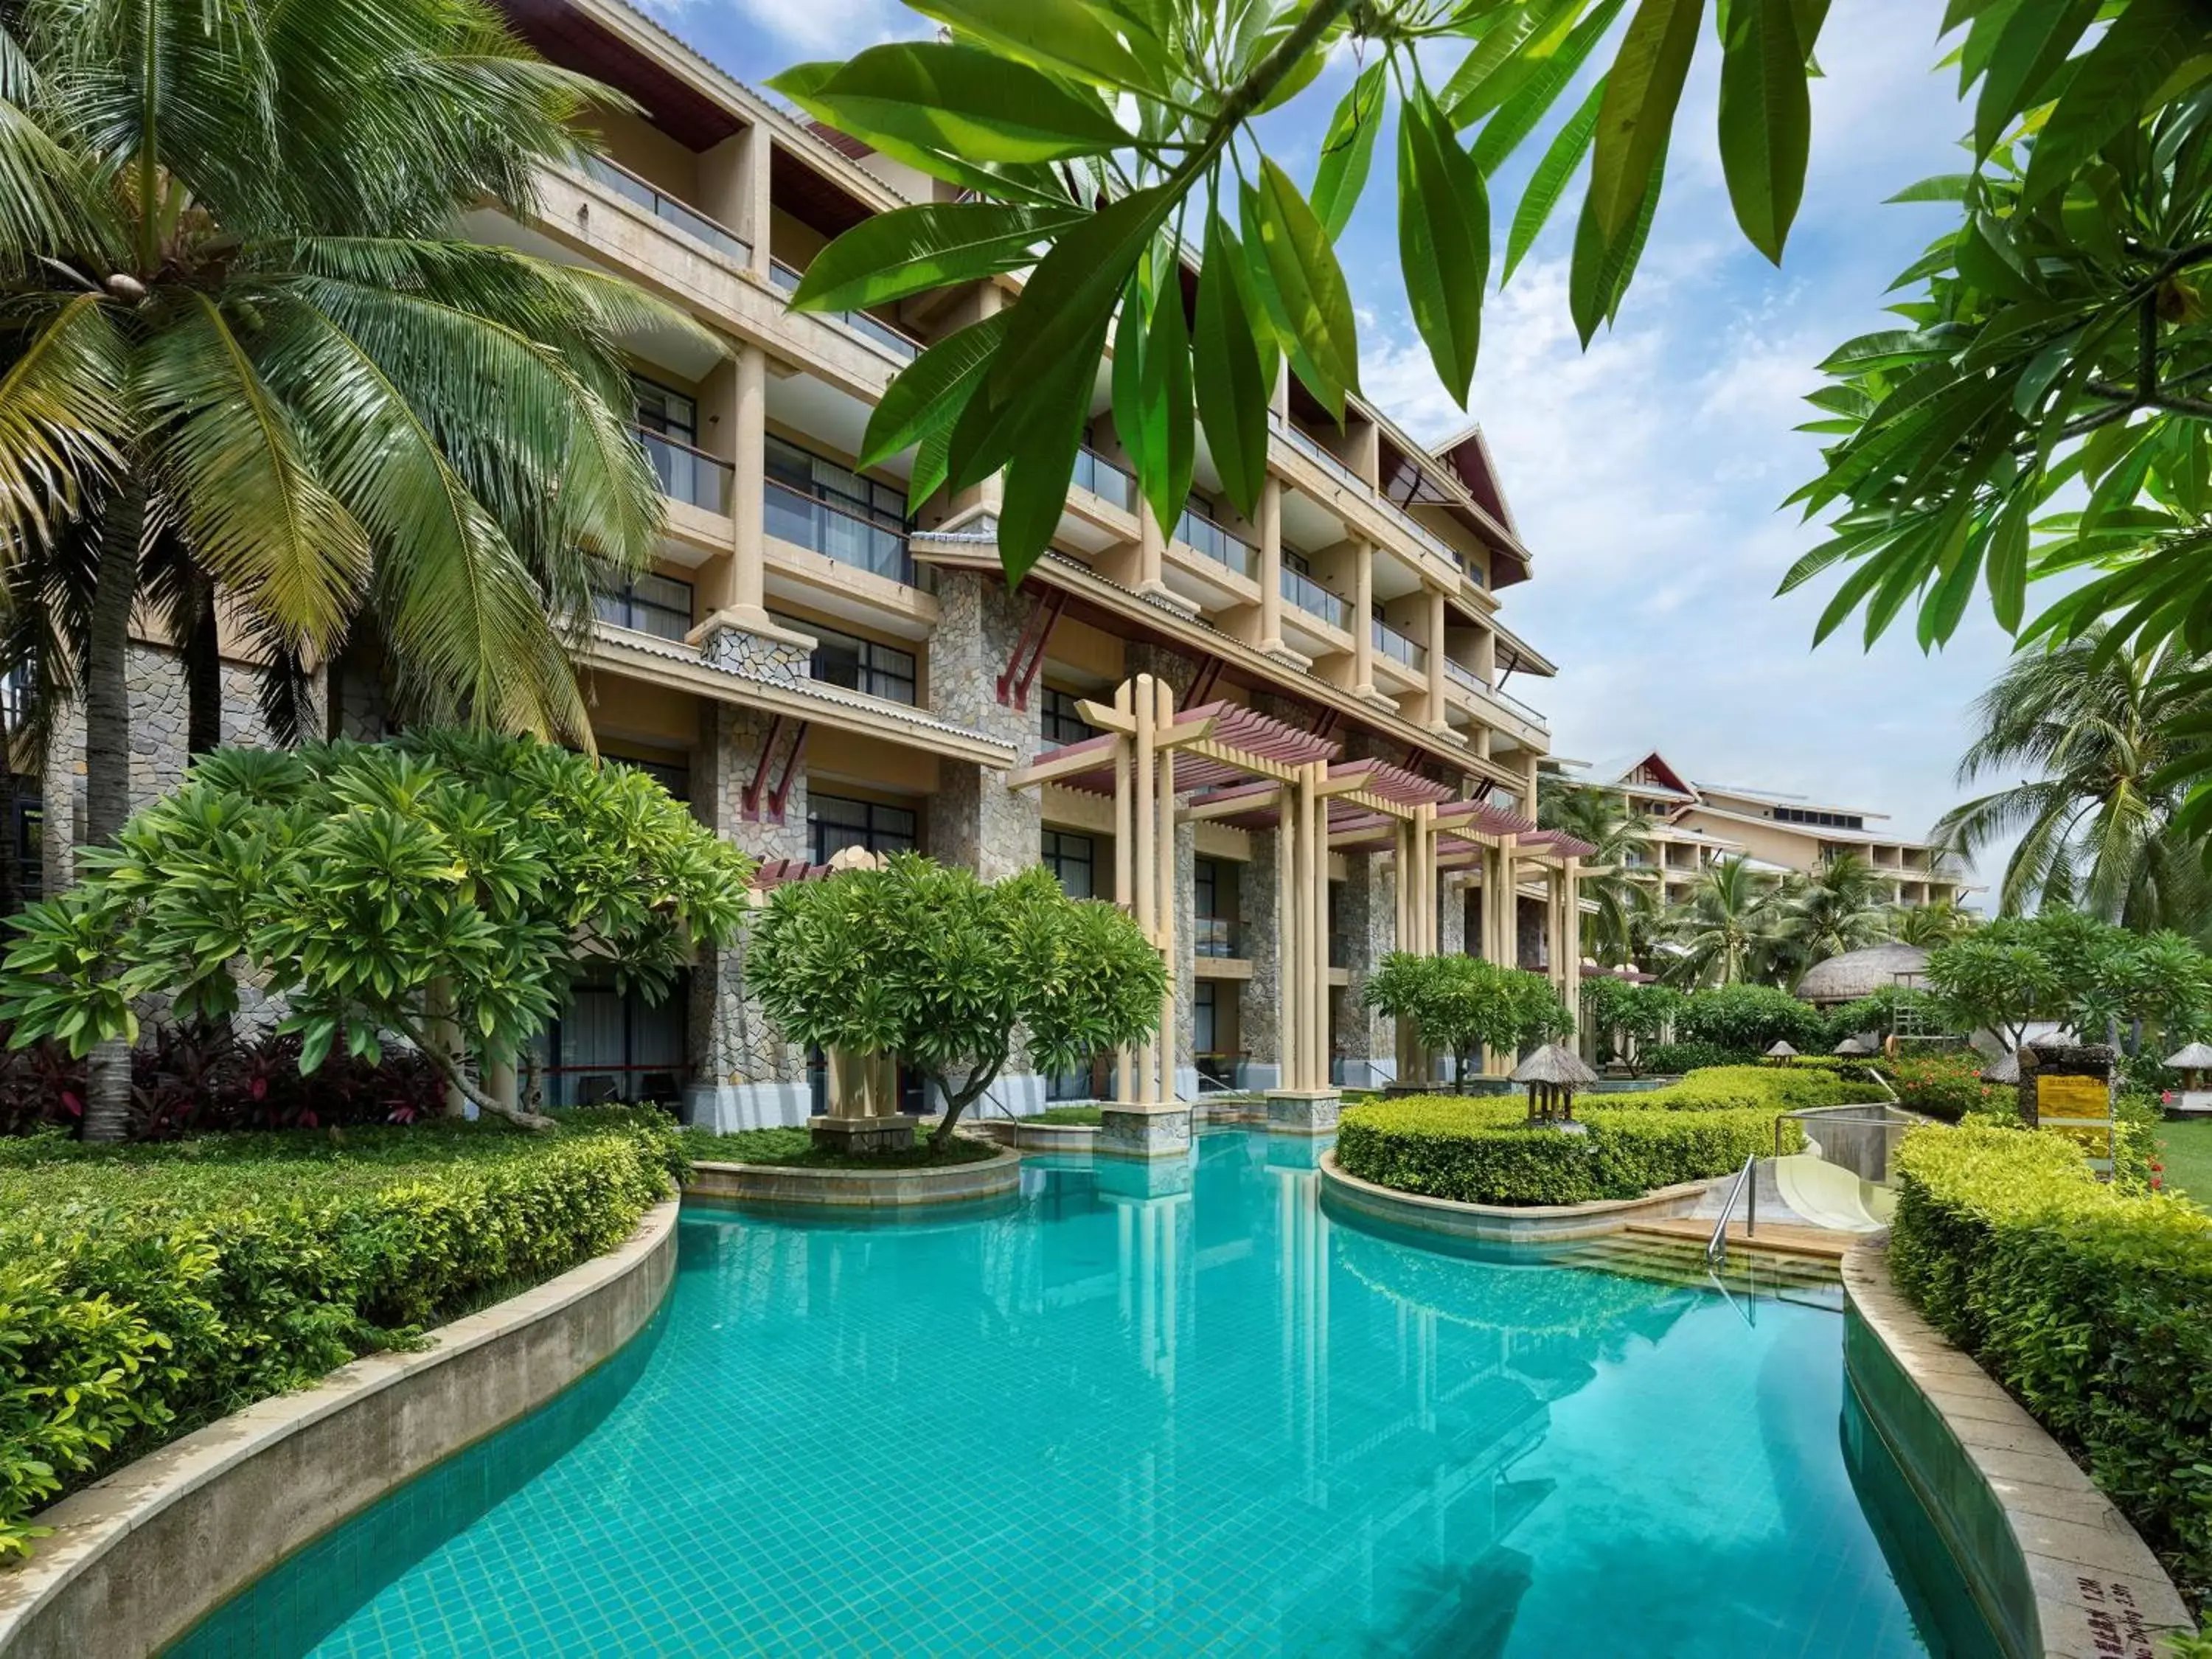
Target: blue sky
x=1646 y=472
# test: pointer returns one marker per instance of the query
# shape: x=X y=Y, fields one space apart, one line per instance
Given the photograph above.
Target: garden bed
x=794 y=1149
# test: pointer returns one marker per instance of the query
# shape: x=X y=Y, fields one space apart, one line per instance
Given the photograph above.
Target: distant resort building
x=1693 y=826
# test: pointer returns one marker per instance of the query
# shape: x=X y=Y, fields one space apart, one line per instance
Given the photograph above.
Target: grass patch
x=794 y=1148
x=2185 y=1149
x=1078 y=1116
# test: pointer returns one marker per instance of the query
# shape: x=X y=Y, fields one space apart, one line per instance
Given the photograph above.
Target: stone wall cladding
x=1529 y=918
x=1366 y=932
x=1451 y=917
x=1256 y=909
x=779 y=662
x=975 y=820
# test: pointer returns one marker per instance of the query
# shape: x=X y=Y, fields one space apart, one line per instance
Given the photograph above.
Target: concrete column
x=1151 y=550
x=1270 y=566
x=1363 y=613
x=756 y=154
x=1435 y=598
x=748 y=487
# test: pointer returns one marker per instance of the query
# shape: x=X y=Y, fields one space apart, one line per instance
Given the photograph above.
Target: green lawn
x=796 y=1146
x=1068 y=1114
x=2185 y=1149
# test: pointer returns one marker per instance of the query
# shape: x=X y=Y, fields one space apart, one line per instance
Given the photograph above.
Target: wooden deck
x=1776 y=1238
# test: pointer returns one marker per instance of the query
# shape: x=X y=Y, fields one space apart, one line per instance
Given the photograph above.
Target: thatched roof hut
x=1781 y=1053
x=1852 y=1048
x=2196 y=1057
x=1858 y=973
x=1552 y=1074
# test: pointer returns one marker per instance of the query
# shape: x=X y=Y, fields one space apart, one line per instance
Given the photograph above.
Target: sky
x=1646 y=474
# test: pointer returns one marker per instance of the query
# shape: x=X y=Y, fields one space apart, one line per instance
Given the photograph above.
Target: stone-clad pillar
x=1367 y=928
x=744 y=1074
x=1259 y=1013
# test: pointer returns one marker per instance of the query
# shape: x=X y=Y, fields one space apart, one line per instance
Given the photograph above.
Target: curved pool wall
x=1147 y=1418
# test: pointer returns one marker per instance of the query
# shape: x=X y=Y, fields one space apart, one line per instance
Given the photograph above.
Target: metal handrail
x=1717 y=1246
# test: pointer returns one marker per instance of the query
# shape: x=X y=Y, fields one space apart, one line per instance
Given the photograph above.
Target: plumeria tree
x=448 y=889
x=953 y=974
x=1460 y=1005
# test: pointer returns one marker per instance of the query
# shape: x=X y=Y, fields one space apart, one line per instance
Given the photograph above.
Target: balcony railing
x=1195 y=530
x=873 y=330
x=1322 y=456
x=687 y=474
x=1393 y=644
x=666 y=208
x=1472 y=681
x=1306 y=444
x=1108 y=481
x=1310 y=596
x=1215 y=937
x=848 y=537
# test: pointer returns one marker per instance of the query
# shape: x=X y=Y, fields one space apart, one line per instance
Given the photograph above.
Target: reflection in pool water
x=1123 y=1418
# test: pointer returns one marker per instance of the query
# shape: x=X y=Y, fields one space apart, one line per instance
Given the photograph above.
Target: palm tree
x=1725 y=928
x=2098 y=726
x=242 y=345
x=1930 y=925
x=1842 y=907
x=1621 y=837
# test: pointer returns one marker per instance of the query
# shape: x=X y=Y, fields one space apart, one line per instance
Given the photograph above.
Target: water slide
x=1826 y=1194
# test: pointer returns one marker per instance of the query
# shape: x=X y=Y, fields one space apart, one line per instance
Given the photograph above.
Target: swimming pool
x=1099 y=1421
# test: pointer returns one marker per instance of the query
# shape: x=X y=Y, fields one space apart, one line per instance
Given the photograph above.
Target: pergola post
x=1306 y=1104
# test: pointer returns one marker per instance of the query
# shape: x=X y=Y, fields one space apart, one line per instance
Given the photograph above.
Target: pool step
x=1812 y=1280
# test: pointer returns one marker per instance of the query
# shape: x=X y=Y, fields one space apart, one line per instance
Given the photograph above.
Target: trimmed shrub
x=1669 y=1059
x=1749 y=1019
x=2088 y=1302
x=145 y=1290
x=1485 y=1152
x=1749 y=1088
x=1947 y=1085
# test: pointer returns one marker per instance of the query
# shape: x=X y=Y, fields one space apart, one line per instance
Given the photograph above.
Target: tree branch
x=442 y=1063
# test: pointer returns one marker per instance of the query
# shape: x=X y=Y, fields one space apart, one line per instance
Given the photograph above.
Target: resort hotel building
x=815 y=669
x=1690 y=827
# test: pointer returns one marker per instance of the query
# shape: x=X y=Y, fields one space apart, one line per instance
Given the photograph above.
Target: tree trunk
x=107 y=763
x=443 y=1033
x=978 y=1081
x=203 y=676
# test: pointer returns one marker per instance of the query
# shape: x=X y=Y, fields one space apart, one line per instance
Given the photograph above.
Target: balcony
x=1310 y=596
x=1108 y=481
x=1329 y=462
x=1396 y=646
x=687 y=474
x=1321 y=454
x=1215 y=937
x=1494 y=698
x=1201 y=534
x=849 y=538
x=666 y=209
x=877 y=332
x=659 y=605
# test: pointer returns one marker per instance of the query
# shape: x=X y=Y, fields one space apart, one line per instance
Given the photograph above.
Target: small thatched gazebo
x=1852 y=1048
x=2005 y=1069
x=1782 y=1054
x=1553 y=1073
x=2193 y=1062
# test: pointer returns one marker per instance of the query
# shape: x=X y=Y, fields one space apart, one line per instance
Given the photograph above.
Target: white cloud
x=822 y=29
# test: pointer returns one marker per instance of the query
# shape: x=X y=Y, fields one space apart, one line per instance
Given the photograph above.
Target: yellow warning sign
x=2073 y=1097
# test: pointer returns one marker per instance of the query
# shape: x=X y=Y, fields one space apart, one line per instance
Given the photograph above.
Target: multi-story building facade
x=815 y=669
x=1690 y=827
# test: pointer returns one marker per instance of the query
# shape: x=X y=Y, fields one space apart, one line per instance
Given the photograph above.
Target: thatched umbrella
x=1852 y=1048
x=2191 y=1062
x=2004 y=1069
x=1553 y=1073
x=1782 y=1054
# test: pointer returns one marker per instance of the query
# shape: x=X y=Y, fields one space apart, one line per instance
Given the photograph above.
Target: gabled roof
x=1468 y=453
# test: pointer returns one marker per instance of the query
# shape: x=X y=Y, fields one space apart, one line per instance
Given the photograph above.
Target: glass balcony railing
x=1320 y=454
x=1312 y=447
x=877 y=332
x=1108 y=481
x=687 y=474
x=1197 y=532
x=864 y=544
x=1215 y=937
x=1472 y=681
x=666 y=208
x=1310 y=596
x=1393 y=644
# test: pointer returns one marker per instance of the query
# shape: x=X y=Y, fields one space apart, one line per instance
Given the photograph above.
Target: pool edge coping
x=1511 y=1223
x=787 y=1186
x=94 y=1525
x=2072 y=1545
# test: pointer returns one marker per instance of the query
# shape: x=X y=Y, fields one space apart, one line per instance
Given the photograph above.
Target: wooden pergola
x=1253 y=771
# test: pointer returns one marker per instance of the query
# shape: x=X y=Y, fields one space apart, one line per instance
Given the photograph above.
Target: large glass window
x=1058 y=719
x=606 y=1045
x=665 y=411
x=651 y=604
x=836 y=823
x=815 y=503
x=1214 y=924
x=846 y=659
x=1072 y=860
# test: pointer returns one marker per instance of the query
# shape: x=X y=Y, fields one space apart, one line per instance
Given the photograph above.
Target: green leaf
x=1316 y=306
x=1444 y=241
x=1989 y=261
x=1071 y=293
x=1601 y=268
x=1765 y=120
x=1942 y=187
x=1043 y=458
x=1165 y=389
x=1550 y=180
x=2033 y=42
x=803 y=82
x=1145 y=440
x=1547 y=76
x=1232 y=396
x=928 y=394
x=1348 y=150
x=1278 y=338
x=2007 y=561
x=915 y=250
x=1483 y=80
x=2109 y=86
x=966 y=99
x=1065 y=37
x=1642 y=91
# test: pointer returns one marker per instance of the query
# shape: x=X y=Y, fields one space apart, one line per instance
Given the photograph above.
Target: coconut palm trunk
x=107 y=763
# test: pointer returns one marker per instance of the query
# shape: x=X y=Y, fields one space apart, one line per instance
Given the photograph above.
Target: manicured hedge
x=1785 y=1088
x=1485 y=1152
x=146 y=1290
x=2089 y=1303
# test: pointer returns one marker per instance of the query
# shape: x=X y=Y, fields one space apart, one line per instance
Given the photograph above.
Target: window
x=809 y=474
x=1059 y=720
x=1824 y=820
x=836 y=823
x=846 y=659
x=1071 y=860
x=676 y=780
x=607 y=1044
x=648 y=604
x=665 y=411
x=1205 y=877
x=26 y=835
x=1202 y=1017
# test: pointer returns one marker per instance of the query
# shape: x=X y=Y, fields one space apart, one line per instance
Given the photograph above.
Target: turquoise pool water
x=1103 y=1421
